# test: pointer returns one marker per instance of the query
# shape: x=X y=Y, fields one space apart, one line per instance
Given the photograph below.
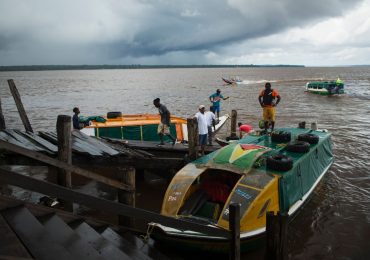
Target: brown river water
x=334 y=224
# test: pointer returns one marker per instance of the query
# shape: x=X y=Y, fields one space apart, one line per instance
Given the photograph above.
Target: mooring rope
x=148 y=233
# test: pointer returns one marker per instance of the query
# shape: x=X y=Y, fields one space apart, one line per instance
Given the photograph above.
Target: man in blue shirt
x=216 y=100
x=75 y=120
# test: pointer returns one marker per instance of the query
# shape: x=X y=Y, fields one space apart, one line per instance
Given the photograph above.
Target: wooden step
x=37 y=240
x=123 y=244
x=103 y=246
x=145 y=247
x=10 y=245
x=68 y=238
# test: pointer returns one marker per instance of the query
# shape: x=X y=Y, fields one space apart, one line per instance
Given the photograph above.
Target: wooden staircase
x=36 y=233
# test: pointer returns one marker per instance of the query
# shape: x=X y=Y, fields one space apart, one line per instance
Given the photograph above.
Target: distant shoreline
x=134 y=66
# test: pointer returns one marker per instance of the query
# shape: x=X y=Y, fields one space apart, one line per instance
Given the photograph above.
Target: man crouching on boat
x=267 y=102
x=164 y=125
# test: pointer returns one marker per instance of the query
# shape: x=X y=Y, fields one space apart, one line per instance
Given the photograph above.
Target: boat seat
x=194 y=202
x=210 y=210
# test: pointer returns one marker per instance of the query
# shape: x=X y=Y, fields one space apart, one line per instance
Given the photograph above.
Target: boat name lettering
x=243 y=194
x=177 y=193
x=172 y=198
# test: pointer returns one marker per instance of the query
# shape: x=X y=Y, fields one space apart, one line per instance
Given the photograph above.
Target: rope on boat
x=148 y=233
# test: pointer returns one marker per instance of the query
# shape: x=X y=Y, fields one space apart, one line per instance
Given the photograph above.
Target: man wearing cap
x=267 y=102
x=216 y=100
x=202 y=127
x=164 y=124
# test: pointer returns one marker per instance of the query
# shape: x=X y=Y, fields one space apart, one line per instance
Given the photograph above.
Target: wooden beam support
x=2 y=119
x=68 y=167
x=234 y=116
x=127 y=175
x=192 y=125
x=64 y=149
x=19 y=104
x=53 y=190
x=234 y=222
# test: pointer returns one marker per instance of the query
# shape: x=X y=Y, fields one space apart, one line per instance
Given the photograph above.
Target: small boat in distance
x=326 y=87
x=142 y=127
x=235 y=80
x=261 y=173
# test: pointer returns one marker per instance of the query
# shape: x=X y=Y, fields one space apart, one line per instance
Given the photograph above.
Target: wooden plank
x=107 y=150
x=124 y=245
x=13 y=178
x=19 y=104
x=103 y=246
x=9 y=243
x=12 y=137
x=33 y=235
x=65 y=236
x=53 y=162
x=39 y=141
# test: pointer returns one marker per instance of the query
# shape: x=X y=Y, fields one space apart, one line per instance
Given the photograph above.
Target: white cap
x=201 y=106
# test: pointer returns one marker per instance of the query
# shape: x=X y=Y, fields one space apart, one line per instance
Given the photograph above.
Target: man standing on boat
x=164 y=125
x=216 y=100
x=202 y=127
x=267 y=102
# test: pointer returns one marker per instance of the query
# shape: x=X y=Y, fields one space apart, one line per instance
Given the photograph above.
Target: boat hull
x=142 y=127
x=205 y=244
x=195 y=192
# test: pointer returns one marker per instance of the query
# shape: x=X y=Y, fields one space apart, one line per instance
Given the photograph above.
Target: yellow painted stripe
x=253 y=188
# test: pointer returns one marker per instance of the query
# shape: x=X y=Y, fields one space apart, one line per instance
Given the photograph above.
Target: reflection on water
x=335 y=224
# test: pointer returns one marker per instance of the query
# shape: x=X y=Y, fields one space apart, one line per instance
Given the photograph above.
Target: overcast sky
x=174 y=32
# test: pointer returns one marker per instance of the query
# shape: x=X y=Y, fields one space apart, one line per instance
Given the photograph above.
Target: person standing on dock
x=202 y=127
x=267 y=102
x=211 y=122
x=215 y=98
x=164 y=125
x=75 y=120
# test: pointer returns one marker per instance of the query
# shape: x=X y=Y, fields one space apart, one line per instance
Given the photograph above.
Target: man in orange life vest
x=267 y=101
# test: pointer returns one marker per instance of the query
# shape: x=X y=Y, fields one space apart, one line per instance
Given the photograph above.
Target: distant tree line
x=132 y=66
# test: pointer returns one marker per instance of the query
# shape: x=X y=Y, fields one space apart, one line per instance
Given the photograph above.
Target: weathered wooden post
x=19 y=104
x=2 y=119
x=234 y=116
x=276 y=233
x=234 y=222
x=127 y=176
x=64 y=177
x=192 y=125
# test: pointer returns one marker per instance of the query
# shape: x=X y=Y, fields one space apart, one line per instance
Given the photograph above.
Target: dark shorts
x=216 y=108
x=203 y=139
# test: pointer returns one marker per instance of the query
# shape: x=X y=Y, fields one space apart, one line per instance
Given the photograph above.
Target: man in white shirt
x=211 y=122
x=202 y=127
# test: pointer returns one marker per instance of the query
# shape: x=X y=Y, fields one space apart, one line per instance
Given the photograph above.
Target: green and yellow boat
x=261 y=173
x=142 y=127
x=326 y=87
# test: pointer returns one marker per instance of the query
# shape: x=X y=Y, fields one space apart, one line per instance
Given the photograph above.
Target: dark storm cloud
x=96 y=31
